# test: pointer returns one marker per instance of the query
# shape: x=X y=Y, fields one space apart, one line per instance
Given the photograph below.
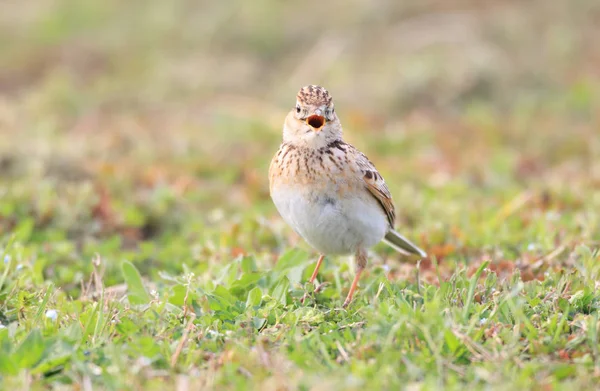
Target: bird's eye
x=298 y=109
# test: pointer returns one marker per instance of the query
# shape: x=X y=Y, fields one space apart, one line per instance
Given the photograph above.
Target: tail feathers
x=403 y=245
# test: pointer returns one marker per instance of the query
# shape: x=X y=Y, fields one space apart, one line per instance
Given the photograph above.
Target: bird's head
x=312 y=122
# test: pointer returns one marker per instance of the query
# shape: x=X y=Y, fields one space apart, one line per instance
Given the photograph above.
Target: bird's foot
x=320 y=287
x=304 y=297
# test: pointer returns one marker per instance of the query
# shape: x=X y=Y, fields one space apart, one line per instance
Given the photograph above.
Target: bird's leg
x=361 y=262
x=314 y=275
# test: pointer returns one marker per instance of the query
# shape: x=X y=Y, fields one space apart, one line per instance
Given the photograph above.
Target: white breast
x=330 y=224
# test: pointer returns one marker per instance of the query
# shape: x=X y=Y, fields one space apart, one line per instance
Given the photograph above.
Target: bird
x=328 y=191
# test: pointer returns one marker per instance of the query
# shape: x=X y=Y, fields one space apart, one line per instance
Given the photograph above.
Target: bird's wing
x=376 y=186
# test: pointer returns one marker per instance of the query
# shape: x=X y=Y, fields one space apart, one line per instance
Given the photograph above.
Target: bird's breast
x=316 y=171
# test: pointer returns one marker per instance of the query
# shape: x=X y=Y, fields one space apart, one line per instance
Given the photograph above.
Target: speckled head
x=315 y=106
x=314 y=96
x=313 y=123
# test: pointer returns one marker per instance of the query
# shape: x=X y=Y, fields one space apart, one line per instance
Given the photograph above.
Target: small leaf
x=178 y=293
x=294 y=274
x=137 y=293
x=564 y=371
x=127 y=327
x=59 y=354
x=8 y=365
x=22 y=232
x=72 y=333
x=246 y=280
x=451 y=340
x=215 y=303
x=254 y=297
x=258 y=323
x=222 y=292
x=31 y=350
x=472 y=286
x=576 y=297
x=290 y=259
x=280 y=291
x=248 y=264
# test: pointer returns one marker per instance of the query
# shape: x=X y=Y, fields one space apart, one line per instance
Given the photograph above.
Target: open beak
x=316 y=122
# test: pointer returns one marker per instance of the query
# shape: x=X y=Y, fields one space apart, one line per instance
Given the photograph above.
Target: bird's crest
x=314 y=95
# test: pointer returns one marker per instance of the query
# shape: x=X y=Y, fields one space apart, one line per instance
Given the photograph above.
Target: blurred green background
x=127 y=122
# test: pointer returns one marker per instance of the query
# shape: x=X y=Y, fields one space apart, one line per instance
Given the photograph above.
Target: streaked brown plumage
x=327 y=190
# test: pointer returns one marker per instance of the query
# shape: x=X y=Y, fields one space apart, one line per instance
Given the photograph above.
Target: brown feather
x=382 y=195
x=376 y=185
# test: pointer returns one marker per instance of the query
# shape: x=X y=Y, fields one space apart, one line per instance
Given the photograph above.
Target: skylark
x=327 y=190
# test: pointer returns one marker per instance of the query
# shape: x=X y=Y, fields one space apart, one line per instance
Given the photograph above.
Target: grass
x=139 y=248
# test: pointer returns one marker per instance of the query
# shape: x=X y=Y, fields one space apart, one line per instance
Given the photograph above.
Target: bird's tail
x=403 y=245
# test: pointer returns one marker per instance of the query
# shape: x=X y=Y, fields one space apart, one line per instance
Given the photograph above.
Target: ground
x=139 y=248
